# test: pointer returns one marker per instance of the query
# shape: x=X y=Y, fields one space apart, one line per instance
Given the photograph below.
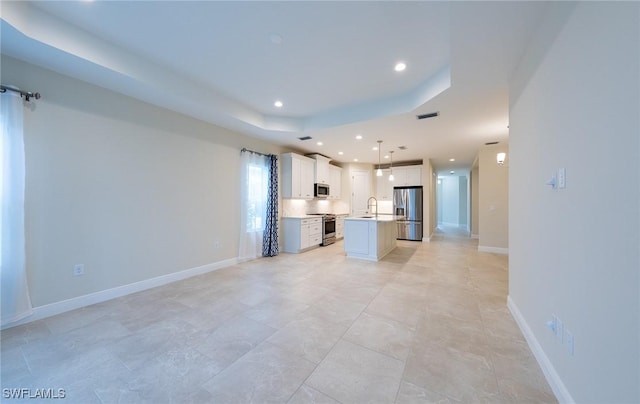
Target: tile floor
x=427 y=324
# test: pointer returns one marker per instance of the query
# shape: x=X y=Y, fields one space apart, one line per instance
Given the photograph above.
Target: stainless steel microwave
x=321 y=190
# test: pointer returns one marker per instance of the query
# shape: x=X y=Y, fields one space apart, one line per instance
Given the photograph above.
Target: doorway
x=452 y=194
x=360 y=192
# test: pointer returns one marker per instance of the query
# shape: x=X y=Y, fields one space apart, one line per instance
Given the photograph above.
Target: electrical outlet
x=78 y=270
x=216 y=245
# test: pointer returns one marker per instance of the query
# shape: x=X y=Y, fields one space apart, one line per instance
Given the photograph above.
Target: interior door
x=360 y=192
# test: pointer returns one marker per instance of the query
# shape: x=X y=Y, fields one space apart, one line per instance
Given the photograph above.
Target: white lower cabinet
x=301 y=233
x=369 y=239
x=340 y=227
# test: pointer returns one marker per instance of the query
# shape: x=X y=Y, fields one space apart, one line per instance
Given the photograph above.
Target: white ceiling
x=330 y=63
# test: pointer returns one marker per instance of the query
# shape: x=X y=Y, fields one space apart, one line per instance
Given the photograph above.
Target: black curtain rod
x=26 y=94
x=255 y=152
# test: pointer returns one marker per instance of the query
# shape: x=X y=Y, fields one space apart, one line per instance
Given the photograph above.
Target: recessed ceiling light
x=451 y=172
x=375 y=148
x=359 y=137
x=386 y=156
x=340 y=153
x=319 y=143
x=400 y=66
x=452 y=159
x=356 y=160
x=278 y=104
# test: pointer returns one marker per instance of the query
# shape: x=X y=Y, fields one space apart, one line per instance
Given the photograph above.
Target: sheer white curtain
x=254 y=175
x=16 y=303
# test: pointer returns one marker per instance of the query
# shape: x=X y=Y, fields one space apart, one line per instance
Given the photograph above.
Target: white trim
x=496 y=250
x=475 y=236
x=558 y=387
x=63 y=306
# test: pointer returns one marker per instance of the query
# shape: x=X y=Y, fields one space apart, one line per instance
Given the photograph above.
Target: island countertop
x=378 y=218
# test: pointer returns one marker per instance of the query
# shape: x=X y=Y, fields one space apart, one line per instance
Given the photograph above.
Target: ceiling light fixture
x=500 y=158
x=359 y=137
x=319 y=143
x=400 y=66
x=278 y=104
x=340 y=153
x=379 y=170
x=452 y=159
x=391 y=166
x=356 y=160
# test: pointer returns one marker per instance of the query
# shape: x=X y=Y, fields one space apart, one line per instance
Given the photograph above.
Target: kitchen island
x=370 y=237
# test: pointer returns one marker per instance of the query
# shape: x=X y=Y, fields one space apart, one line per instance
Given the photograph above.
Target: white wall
x=450 y=207
x=493 y=200
x=473 y=184
x=574 y=252
x=429 y=212
x=463 y=201
x=130 y=190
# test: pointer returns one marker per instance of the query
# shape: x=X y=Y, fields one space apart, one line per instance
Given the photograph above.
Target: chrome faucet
x=369 y=204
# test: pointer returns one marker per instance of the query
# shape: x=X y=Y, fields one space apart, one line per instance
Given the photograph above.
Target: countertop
x=312 y=216
x=379 y=218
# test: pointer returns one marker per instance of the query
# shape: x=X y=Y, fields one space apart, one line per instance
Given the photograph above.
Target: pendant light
x=391 y=166
x=379 y=170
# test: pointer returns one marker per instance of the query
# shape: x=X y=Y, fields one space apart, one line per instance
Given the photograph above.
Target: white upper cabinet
x=407 y=176
x=297 y=176
x=322 y=173
x=335 y=183
x=384 y=187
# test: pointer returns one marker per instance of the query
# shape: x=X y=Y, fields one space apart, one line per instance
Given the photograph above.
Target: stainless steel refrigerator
x=407 y=202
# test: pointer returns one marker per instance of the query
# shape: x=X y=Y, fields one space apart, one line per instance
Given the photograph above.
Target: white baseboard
x=496 y=250
x=556 y=384
x=56 y=308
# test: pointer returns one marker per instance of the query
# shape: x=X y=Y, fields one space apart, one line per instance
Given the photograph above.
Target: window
x=256 y=197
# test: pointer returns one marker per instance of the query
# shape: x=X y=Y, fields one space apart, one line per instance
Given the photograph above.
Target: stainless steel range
x=328 y=228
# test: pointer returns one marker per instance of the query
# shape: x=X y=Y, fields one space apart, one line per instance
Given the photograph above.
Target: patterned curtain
x=270 y=236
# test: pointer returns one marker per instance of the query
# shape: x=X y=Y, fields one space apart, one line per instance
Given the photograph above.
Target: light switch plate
x=562 y=178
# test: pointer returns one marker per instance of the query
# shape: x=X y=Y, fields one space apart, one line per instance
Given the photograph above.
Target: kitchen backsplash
x=299 y=207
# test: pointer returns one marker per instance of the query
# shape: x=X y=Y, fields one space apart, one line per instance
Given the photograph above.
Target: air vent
x=402 y=147
x=490 y=143
x=305 y=138
x=425 y=116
